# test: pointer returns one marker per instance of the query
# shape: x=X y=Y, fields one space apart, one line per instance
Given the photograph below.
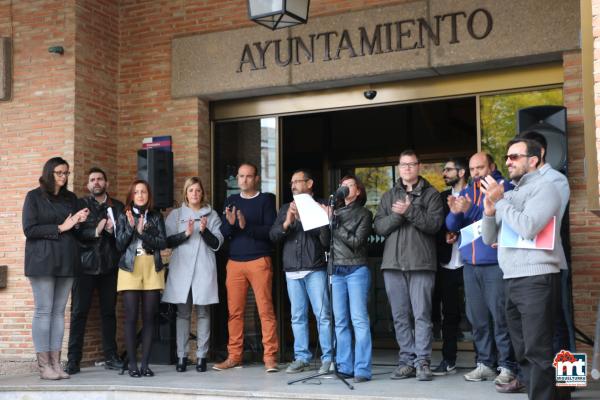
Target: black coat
x=302 y=251
x=48 y=252
x=444 y=250
x=352 y=229
x=99 y=255
x=154 y=238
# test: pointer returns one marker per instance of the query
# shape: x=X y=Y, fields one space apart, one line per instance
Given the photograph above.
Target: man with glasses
x=99 y=259
x=247 y=220
x=564 y=338
x=532 y=276
x=483 y=283
x=306 y=276
x=409 y=217
x=449 y=277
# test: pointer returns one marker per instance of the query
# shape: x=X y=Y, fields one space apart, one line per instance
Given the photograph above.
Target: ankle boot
x=55 y=362
x=181 y=364
x=46 y=370
x=201 y=365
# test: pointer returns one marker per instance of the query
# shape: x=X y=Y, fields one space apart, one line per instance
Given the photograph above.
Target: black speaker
x=156 y=167
x=550 y=121
x=164 y=344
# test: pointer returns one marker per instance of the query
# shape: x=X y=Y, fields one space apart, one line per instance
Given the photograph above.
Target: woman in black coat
x=51 y=260
x=140 y=237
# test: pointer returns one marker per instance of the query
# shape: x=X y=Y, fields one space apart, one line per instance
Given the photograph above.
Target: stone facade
x=112 y=87
x=411 y=40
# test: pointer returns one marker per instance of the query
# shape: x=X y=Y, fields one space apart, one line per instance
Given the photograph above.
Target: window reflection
x=499 y=118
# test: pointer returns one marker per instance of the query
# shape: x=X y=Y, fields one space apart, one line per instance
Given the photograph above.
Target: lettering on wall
x=388 y=37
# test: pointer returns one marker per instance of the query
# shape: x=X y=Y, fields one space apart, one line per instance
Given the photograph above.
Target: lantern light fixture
x=278 y=14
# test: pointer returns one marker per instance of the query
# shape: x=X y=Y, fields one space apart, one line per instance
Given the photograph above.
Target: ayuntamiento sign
x=416 y=39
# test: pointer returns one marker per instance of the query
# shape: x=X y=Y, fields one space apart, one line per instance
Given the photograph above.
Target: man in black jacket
x=99 y=259
x=409 y=217
x=449 y=276
x=304 y=266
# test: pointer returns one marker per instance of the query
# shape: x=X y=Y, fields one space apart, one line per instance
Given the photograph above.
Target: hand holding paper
x=310 y=212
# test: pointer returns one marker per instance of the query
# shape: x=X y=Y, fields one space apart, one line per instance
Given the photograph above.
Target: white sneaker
x=325 y=367
x=481 y=373
x=505 y=376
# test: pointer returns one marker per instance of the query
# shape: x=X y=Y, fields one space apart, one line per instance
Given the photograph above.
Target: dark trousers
x=531 y=307
x=484 y=293
x=450 y=282
x=564 y=334
x=81 y=301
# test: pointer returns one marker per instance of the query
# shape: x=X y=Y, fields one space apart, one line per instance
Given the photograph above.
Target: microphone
x=342 y=192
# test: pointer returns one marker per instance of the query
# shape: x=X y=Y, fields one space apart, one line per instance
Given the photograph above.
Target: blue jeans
x=350 y=298
x=313 y=288
x=484 y=293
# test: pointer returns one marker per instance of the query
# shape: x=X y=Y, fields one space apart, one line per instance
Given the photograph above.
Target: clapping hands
x=400 y=206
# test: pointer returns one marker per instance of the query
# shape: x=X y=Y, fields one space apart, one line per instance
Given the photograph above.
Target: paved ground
x=252 y=382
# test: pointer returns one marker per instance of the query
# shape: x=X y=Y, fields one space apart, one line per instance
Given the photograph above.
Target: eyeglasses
x=515 y=156
x=409 y=164
x=61 y=173
x=448 y=169
x=297 y=181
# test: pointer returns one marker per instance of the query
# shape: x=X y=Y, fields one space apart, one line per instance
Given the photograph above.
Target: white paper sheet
x=311 y=213
x=109 y=211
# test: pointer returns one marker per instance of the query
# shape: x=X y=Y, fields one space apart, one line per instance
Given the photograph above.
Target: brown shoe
x=46 y=370
x=271 y=366
x=55 y=362
x=227 y=364
x=513 y=386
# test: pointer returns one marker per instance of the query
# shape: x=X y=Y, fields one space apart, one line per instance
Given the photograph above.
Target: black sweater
x=253 y=241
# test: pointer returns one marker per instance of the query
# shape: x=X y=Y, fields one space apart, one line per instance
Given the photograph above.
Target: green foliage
x=499 y=118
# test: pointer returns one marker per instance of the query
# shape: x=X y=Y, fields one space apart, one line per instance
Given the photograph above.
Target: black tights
x=150 y=301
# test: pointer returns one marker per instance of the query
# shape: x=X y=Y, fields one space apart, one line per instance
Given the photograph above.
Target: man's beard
x=451 y=182
x=98 y=191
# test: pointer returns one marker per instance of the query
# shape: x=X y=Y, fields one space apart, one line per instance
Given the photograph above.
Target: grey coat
x=193 y=263
x=410 y=239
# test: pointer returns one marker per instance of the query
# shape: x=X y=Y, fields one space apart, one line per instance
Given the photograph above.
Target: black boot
x=201 y=365
x=72 y=367
x=181 y=364
x=113 y=362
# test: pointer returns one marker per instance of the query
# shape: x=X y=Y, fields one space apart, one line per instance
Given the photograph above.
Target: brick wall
x=38 y=123
x=585 y=229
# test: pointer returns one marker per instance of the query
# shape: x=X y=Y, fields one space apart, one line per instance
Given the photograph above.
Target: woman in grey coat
x=194 y=235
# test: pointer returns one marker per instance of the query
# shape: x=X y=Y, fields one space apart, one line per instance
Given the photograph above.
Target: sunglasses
x=515 y=156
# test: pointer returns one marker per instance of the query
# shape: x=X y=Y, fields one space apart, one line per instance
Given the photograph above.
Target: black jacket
x=48 y=252
x=154 y=239
x=444 y=250
x=302 y=251
x=410 y=239
x=99 y=255
x=350 y=234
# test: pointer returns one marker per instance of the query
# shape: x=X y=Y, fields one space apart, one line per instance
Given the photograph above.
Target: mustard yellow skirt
x=143 y=277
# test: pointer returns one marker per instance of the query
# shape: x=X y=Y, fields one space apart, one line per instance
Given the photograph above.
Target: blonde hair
x=192 y=181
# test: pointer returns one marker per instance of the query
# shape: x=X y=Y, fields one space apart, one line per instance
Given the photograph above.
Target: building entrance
x=362 y=141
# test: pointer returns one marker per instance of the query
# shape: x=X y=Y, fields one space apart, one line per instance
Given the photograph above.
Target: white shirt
x=455 y=260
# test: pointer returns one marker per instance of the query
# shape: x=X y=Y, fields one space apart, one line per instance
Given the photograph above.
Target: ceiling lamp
x=278 y=14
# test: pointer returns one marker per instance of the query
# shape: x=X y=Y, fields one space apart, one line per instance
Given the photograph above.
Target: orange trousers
x=259 y=274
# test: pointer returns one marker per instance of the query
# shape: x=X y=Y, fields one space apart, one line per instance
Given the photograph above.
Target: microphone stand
x=329 y=257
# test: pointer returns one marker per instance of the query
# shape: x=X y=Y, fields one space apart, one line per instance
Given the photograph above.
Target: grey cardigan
x=527 y=209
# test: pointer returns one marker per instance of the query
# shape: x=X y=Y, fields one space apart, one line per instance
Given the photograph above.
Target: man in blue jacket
x=483 y=279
